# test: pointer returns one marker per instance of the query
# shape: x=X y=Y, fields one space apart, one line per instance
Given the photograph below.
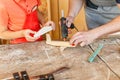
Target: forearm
x=110 y=27
x=41 y=18
x=11 y=35
x=74 y=7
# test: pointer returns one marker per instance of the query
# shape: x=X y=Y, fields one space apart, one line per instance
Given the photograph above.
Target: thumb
x=68 y=24
x=32 y=32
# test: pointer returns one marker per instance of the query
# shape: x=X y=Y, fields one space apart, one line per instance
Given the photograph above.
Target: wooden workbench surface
x=32 y=58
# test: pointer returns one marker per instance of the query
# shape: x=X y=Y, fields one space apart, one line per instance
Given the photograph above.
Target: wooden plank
x=33 y=58
x=57 y=43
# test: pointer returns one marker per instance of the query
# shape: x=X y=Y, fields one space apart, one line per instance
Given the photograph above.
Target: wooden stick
x=57 y=43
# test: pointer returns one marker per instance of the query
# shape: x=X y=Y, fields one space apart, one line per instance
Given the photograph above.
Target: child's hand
x=27 y=34
x=50 y=23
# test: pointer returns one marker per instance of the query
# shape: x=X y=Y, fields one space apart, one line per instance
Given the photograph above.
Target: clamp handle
x=16 y=76
x=24 y=75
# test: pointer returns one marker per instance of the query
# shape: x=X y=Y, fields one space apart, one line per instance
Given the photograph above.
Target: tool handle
x=95 y=53
x=64 y=28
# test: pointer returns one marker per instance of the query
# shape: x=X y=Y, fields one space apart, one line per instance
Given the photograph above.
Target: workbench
x=39 y=58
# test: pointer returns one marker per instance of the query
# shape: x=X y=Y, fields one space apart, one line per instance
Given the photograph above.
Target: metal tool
x=47 y=77
x=16 y=76
x=64 y=27
x=24 y=75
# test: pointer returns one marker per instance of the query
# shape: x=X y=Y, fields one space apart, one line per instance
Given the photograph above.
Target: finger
x=30 y=38
x=69 y=31
x=69 y=19
x=50 y=23
x=31 y=32
x=82 y=43
x=72 y=40
x=78 y=41
x=76 y=34
x=53 y=25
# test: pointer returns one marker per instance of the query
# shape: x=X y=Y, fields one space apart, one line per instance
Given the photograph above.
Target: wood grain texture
x=32 y=58
x=57 y=43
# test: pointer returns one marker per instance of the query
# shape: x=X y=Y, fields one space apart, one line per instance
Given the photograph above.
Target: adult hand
x=27 y=34
x=83 y=38
x=69 y=20
x=50 y=23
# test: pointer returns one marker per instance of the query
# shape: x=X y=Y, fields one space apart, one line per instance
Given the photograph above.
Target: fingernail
x=73 y=44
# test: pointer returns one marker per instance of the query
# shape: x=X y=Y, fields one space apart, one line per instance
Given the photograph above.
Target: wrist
x=71 y=15
x=95 y=33
x=23 y=33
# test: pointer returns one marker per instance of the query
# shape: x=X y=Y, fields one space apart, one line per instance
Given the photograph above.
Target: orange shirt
x=12 y=16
